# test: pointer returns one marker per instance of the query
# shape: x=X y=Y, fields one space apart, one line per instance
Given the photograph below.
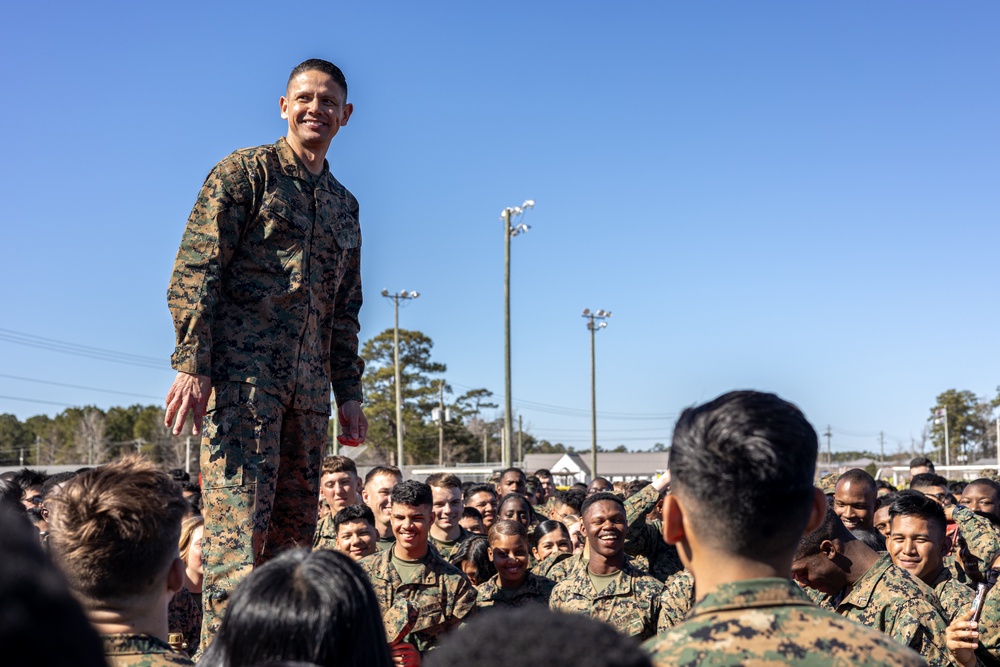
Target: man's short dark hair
x=598 y=497
x=873 y=539
x=746 y=460
x=26 y=478
x=319 y=65
x=391 y=471
x=635 y=486
x=926 y=480
x=922 y=461
x=479 y=488
x=859 y=476
x=412 y=494
x=543 y=472
x=832 y=528
x=179 y=475
x=472 y=513
x=534 y=635
x=573 y=498
x=353 y=513
x=921 y=506
x=884 y=484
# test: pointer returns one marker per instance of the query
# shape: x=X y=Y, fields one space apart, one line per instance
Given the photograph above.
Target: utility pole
x=337 y=429
x=187 y=454
x=881 y=444
x=509 y=231
x=395 y=360
x=595 y=321
x=441 y=424
x=520 y=440
x=942 y=415
x=829 y=455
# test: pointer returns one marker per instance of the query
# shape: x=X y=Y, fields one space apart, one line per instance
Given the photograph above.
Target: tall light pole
x=402 y=295
x=595 y=321
x=508 y=215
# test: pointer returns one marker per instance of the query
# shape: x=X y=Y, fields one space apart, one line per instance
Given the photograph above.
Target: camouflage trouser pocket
x=229 y=434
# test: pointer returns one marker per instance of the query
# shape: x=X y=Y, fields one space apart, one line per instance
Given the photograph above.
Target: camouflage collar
x=750 y=593
x=291 y=165
x=133 y=643
x=429 y=575
x=861 y=593
x=621 y=586
x=491 y=588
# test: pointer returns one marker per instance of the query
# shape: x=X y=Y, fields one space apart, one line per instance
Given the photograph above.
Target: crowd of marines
x=696 y=565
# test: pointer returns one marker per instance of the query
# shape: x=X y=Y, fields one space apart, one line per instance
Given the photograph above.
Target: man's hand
x=404 y=654
x=353 y=424
x=662 y=482
x=188 y=393
x=962 y=639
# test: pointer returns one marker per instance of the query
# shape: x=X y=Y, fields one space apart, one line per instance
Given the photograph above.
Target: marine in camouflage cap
x=754 y=451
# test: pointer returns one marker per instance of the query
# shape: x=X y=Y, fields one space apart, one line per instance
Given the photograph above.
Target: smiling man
x=447 y=533
x=855 y=498
x=411 y=572
x=609 y=588
x=265 y=296
x=917 y=543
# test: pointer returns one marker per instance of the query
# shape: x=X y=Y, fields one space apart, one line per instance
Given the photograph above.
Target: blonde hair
x=114 y=529
x=187 y=533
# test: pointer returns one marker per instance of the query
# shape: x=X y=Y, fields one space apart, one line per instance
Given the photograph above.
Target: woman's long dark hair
x=315 y=607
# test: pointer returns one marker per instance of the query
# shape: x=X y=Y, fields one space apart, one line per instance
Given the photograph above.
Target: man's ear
x=818 y=513
x=673 y=520
x=828 y=548
x=175 y=576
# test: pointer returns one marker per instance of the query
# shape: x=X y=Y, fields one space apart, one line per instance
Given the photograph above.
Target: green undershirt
x=409 y=570
x=602 y=581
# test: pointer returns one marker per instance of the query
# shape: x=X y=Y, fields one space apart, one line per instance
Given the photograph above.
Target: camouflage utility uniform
x=325 y=536
x=644 y=540
x=630 y=603
x=955 y=598
x=265 y=296
x=137 y=650
x=534 y=590
x=677 y=599
x=447 y=549
x=184 y=618
x=771 y=622
x=441 y=594
x=888 y=599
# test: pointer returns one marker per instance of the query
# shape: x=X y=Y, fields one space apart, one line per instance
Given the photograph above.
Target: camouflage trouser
x=260 y=465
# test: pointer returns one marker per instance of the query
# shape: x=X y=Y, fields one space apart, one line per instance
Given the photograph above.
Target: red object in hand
x=347 y=441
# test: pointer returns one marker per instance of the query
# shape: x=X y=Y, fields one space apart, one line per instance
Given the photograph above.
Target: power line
x=37 y=400
x=87 y=351
x=77 y=386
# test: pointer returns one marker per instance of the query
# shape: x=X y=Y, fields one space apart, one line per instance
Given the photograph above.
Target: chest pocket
x=340 y=218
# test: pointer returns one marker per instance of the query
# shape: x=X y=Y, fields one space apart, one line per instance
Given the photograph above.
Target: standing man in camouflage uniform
x=757 y=452
x=608 y=587
x=265 y=296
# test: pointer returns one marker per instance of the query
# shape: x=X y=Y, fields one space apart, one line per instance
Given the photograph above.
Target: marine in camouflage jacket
x=266 y=288
x=771 y=622
x=677 y=600
x=630 y=603
x=140 y=650
x=887 y=598
x=441 y=594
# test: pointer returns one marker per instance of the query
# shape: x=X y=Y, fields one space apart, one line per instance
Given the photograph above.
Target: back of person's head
x=412 y=494
x=920 y=506
x=922 y=462
x=315 y=607
x=114 y=530
x=10 y=496
x=353 y=513
x=534 y=636
x=743 y=466
x=573 y=498
x=884 y=485
x=41 y=623
x=634 y=487
x=870 y=538
x=831 y=529
x=926 y=480
x=52 y=482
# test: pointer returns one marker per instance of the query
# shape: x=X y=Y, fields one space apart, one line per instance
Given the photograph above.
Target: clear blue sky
x=799 y=197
